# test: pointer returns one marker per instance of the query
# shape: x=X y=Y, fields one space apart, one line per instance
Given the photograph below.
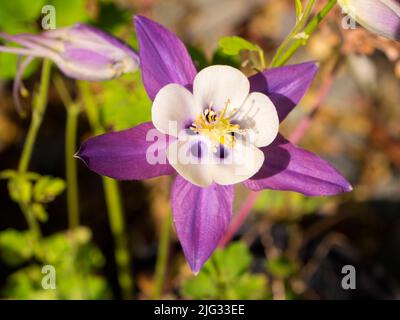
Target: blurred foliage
x=72 y=255
x=280 y=267
x=21 y=16
x=227 y=276
x=288 y=205
x=232 y=46
x=33 y=190
x=70 y=12
x=124 y=102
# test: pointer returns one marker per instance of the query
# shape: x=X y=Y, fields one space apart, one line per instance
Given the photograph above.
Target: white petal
x=258 y=114
x=218 y=84
x=174 y=108
x=242 y=162
x=194 y=169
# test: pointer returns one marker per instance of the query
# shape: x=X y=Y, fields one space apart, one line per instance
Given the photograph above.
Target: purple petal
x=290 y=168
x=163 y=57
x=201 y=216
x=285 y=86
x=124 y=155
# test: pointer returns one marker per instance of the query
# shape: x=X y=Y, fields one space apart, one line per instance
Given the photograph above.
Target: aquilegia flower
x=213 y=129
x=378 y=16
x=81 y=52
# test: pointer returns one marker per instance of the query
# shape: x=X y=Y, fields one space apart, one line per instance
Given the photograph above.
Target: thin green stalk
x=162 y=256
x=73 y=111
x=117 y=224
x=308 y=30
x=33 y=225
x=296 y=30
x=38 y=110
x=113 y=200
x=70 y=166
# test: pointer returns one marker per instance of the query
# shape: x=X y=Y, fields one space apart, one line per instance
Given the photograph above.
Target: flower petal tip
x=80 y=155
x=349 y=188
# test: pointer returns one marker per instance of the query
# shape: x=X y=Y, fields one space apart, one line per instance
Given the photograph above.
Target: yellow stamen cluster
x=217 y=126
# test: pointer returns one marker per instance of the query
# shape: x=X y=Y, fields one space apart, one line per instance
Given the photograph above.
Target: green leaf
x=280 y=267
x=227 y=276
x=233 y=45
x=200 y=287
x=220 y=57
x=15 y=246
x=234 y=260
x=39 y=211
x=47 y=188
x=8 y=174
x=20 y=189
x=250 y=287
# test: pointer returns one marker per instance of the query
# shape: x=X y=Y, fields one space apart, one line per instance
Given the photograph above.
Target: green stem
x=297 y=29
x=117 y=225
x=70 y=166
x=308 y=30
x=38 y=110
x=162 y=257
x=33 y=225
x=113 y=201
x=73 y=111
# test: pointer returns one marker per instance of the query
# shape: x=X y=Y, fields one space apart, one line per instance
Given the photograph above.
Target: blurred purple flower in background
x=81 y=52
x=378 y=16
x=202 y=212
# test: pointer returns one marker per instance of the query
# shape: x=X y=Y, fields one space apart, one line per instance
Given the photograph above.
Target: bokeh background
x=291 y=246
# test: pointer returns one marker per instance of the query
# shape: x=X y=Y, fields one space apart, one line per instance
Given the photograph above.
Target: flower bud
x=379 y=16
x=80 y=51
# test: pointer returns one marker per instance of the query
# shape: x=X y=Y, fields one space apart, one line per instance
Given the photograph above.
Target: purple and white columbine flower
x=218 y=112
x=81 y=52
x=379 y=16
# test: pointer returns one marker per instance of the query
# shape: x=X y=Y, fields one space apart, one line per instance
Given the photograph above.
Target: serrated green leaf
x=227 y=276
x=249 y=286
x=234 y=260
x=200 y=287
